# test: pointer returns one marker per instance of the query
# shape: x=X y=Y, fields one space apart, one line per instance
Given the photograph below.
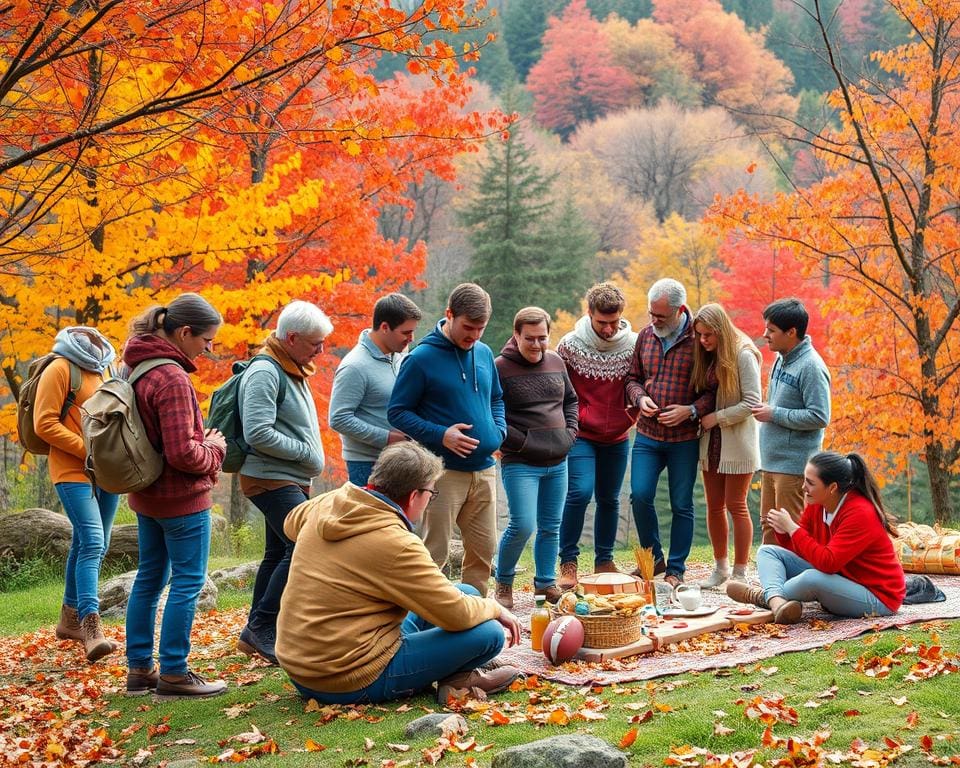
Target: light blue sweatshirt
x=361 y=393
x=799 y=393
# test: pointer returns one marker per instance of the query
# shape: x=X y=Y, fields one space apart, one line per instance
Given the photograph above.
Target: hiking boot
x=716 y=578
x=96 y=645
x=257 y=645
x=788 y=613
x=606 y=567
x=187 y=686
x=68 y=627
x=744 y=593
x=660 y=566
x=673 y=579
x=460 y=684
x=551 y=593
x=142 y=681
x=504 y=595
x=568 y=575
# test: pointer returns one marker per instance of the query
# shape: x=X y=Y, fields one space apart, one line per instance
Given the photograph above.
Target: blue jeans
x=358 y=472
x=90 y=511
x=277 y=551
x=173 y=549
x=785 y=574
x=593 y=468
x=426 y=654
x=681 y=460
x=535 y=497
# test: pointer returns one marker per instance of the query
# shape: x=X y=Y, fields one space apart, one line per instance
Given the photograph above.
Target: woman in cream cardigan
x=729 y=450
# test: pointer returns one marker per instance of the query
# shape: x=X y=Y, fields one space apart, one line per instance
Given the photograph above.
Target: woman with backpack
x=173 y=514
x=81 y=356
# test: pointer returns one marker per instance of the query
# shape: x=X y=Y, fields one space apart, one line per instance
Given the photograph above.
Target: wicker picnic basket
x=923 y=549
x=607 y=631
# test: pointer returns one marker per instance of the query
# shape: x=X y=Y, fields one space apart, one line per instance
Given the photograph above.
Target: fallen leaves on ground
x=769 y=710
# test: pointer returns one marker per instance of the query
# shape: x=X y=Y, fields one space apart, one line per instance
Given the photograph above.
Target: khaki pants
x=470 y=499
x=779 y=490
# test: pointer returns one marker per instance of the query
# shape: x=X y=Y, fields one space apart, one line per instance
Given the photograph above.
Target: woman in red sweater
x=839 y=554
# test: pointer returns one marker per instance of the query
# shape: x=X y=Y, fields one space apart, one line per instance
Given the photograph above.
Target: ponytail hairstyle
x=188 y=309
x=851 y=472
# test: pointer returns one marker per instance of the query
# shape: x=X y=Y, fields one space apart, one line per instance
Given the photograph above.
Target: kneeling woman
x=366 y=615
x=840 y=554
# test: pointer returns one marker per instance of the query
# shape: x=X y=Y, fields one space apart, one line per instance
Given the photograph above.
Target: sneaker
x=504 y=595
x=252 y=645
x=606 y=567
x=568 y=575
x=187 y=686
x=660 y=566
x=788 y=613
x=551 y=592
x=487 y=681
x=715 y=579
x=744 y=593
x=739 y=574
x=142 y=681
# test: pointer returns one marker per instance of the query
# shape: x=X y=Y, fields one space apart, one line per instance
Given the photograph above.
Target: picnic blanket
x=727 y=648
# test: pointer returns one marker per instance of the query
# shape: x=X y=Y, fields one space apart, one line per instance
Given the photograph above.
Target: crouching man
x=366 y=615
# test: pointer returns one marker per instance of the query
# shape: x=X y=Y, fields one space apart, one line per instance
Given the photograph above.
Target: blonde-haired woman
x=729 y=448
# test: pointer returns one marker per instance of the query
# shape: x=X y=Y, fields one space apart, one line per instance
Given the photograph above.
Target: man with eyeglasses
x=364 y=382
x=281 y=427
x=668 y=424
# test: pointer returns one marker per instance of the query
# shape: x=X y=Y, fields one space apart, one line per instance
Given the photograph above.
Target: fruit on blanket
x=562 y=639
x=567 y=603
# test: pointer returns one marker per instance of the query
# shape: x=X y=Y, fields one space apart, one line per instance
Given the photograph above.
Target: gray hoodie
x=799 y=393
x=361 y=392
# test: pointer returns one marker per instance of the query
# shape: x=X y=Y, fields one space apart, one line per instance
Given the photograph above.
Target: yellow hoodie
x=357 y=569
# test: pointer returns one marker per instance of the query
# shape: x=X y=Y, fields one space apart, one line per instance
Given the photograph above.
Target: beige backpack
x=120 y=458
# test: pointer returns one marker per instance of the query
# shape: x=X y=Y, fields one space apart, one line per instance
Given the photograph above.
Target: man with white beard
x=668 y=423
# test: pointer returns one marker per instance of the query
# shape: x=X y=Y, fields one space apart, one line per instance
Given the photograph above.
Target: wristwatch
x=693 y=413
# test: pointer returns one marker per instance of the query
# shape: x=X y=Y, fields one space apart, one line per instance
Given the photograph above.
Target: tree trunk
x=238 y=503
x=939 y=484
x=46 y=497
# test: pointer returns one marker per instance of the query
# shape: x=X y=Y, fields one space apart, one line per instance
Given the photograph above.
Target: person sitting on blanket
x=366 y=615
x=839 y=554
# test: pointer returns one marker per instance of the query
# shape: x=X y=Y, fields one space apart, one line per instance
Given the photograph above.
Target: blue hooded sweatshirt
x=440 y=385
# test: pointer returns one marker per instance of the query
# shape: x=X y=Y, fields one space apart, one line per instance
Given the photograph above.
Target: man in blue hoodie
x=448 y=398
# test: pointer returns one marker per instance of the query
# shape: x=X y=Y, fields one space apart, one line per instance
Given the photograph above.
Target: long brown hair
x=189 y=309
x=730 y=340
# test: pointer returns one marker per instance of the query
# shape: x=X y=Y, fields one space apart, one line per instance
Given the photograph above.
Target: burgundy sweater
x=168 y=406
x=855 y=545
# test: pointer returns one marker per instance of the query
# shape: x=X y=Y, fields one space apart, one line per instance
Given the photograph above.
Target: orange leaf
x=311 y=746
x=628 y=738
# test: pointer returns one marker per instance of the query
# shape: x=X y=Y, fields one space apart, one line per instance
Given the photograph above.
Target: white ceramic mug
x=687 y=596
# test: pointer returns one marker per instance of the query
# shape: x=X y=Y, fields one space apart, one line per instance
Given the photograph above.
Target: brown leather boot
x=606 y=567
x=551 y=593
x=476 y=683
x=96 y=645
x=504 y=595
x=568 y=575
x=187 y=686
x=744 y=593
x=68 y=628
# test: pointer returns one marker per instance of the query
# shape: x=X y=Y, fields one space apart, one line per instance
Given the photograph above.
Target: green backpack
x=225 y=412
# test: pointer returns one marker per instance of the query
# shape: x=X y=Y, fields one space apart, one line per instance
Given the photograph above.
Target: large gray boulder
x=568 y=751
x=115 y=593
x=435 y=724
x=236 y=577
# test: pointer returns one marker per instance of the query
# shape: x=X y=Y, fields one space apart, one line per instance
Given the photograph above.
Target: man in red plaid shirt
x=668 y=423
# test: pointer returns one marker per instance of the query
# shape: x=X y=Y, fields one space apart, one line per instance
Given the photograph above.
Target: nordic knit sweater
x=541 y=408
x=739 y=449
x=361 y=393
x=67 y=455
x=357 y=570
x=855 y=545
x=664 y=377
x=286 y=439
x=598 y=368
x=168 y=406
x=799 y=393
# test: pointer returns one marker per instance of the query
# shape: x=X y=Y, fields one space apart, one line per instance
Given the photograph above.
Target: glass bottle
x=538 y=623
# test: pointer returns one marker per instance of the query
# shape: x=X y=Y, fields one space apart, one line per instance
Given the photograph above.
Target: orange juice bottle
x=538 y=623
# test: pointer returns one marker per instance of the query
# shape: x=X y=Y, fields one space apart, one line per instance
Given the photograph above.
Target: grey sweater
x=361 y=392
x=285 y=440
x=799 y=393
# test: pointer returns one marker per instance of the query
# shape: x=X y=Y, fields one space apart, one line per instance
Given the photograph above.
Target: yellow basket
x=607 y=631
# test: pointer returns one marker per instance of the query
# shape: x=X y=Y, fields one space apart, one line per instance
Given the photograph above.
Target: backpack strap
x=282 y=390
x=148 y=365
x=75 y=381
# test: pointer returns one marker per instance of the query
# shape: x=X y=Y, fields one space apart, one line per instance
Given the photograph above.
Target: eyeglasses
x=433 y=493
x=655 y=316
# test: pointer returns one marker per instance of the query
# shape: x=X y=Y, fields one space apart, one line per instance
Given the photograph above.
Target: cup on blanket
x=686 y=596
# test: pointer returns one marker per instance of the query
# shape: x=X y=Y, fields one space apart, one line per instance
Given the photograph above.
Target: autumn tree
x=883 y=226
x=676 y=159
x=576 y=80
x=530 y=246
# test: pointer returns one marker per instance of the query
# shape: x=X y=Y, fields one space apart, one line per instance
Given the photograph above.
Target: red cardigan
x=855 y=545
